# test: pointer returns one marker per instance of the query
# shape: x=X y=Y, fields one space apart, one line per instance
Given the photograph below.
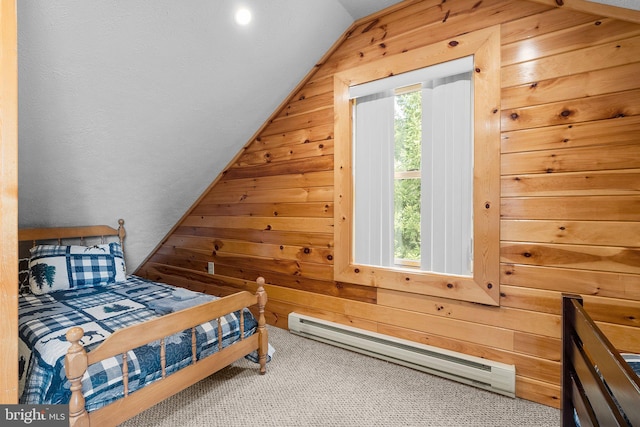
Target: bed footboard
x=120 y=342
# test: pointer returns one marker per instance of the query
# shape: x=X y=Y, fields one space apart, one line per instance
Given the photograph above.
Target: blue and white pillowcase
x=59 y=268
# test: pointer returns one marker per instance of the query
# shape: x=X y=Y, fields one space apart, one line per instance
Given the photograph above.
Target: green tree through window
x=407 y=182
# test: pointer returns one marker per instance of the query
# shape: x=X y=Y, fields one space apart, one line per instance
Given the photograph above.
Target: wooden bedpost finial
x=121 y=232
x=74 y=335
x=262 y=295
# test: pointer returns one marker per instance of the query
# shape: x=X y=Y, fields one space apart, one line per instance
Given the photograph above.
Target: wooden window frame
x=484 y=286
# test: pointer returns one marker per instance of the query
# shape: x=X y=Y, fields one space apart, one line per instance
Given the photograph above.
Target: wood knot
x=565 y=113
x=357 y=270
x=489 y=285
x=306 y=251
x=453 y=43
x=514 y=116
x=330 y=257
x=450 y=285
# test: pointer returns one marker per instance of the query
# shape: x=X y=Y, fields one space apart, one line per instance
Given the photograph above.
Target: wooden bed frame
x=77 y=359
x=598 y=386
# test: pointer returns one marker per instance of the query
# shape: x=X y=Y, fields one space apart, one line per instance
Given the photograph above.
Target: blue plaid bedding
x=45 y=319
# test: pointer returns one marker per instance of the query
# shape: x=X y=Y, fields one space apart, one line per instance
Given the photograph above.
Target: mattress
x=100 y=310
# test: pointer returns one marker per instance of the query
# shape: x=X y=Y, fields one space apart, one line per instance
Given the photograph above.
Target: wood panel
x=619 y=156
x=310 y=209
x=604 y=233
x=591 y=83
x=587 y=208
x=8 y=202
x=601 y=107
x=584 y=282
x=595 y=183
x=320 y=132
x=288 y=195
x=550 y=21
x=569 y=193
x=598 y=31
x=611 y=54
x=607 y=258
x=619 y=129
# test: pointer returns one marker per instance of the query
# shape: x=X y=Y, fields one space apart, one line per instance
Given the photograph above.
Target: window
x=413 y=169
x=417 y=170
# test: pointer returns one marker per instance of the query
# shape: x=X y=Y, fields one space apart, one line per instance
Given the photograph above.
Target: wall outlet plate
x=210 y=268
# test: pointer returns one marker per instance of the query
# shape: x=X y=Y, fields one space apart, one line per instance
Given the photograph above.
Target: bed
x=112 y=345
x=600 y=386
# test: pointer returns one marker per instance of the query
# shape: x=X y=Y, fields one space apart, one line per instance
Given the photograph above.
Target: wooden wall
x=570 y=201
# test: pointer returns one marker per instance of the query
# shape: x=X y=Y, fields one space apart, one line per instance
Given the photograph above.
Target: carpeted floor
x=313 y=384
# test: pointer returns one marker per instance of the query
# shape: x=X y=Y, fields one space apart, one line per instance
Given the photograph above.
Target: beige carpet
x=313 y=384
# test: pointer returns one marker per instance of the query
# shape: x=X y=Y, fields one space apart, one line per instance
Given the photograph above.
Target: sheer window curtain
x=447 y=176
x=373 y=179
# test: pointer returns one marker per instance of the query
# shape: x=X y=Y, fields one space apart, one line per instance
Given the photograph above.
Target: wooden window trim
x=483 y=287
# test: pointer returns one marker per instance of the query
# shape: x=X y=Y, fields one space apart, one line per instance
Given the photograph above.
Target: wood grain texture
x=569 y=189
x=8 y=202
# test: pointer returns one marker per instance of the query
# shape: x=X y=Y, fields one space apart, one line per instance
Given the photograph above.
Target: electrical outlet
x=210 y=267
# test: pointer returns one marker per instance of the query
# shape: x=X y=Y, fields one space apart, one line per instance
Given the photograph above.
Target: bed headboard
x=36 y=235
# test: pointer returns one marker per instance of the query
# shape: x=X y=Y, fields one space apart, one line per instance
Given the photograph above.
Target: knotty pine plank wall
x=570 y=201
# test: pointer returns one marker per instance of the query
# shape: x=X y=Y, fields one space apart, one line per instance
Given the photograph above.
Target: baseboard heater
x=493 y=376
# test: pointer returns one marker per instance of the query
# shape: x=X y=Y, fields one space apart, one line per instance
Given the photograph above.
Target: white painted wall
x=130 y=109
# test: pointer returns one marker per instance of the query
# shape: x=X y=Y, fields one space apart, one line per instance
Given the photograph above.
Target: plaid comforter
x=45 y=319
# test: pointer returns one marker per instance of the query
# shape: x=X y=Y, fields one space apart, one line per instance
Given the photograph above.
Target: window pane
x=408 y=140
x=408 y=131
x=407 y=219
x=413 y=176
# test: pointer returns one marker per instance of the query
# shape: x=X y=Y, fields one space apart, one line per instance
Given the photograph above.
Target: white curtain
x=373 y=180
x=447 y=176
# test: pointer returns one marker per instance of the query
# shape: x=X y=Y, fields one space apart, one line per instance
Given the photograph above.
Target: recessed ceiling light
x=243 y=16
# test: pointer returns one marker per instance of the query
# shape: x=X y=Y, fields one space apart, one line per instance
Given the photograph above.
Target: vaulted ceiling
x=131 y=109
